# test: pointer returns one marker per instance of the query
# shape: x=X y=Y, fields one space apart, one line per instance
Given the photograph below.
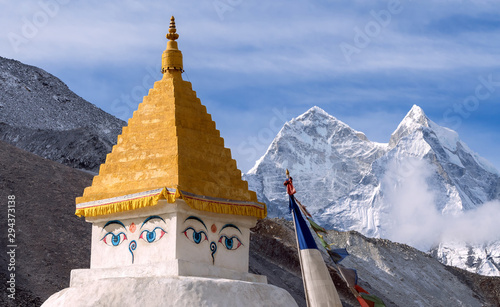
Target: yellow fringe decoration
x=197 y=203
x=224 y=207
x=127 y=205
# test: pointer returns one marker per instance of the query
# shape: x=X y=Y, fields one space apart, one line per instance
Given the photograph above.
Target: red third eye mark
x=132 y=228
x=213 y=228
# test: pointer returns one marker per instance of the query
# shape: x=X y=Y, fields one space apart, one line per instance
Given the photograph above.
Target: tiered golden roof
x=170 y=149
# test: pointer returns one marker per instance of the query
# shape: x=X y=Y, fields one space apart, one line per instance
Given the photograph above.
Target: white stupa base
x=173 y=291
x=143 y=286
x=175 y=267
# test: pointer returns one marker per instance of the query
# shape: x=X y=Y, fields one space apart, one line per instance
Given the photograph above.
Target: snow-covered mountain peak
x=413 y=121
x=314 y=116
x=417 y=114
x=319 y=120
x=316 y=110
x=444 y=142
x=313 y=145
x=316 y=129
x=426 y=175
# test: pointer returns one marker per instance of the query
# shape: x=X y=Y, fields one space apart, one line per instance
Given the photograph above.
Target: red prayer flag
x=289 y=186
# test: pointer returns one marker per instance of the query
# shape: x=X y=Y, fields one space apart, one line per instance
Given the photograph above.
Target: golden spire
x=172 y=56
x=172 y=35
x=170 y=149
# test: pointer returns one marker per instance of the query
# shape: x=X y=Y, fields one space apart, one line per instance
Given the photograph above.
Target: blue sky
x=257 y=64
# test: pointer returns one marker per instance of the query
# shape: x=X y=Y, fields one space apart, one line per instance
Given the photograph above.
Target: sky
x=258 y=64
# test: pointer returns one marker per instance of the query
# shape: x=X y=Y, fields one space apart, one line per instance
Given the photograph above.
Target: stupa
x=170 y=214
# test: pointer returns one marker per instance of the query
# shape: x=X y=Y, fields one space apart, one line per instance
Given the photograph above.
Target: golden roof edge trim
x=151 y=198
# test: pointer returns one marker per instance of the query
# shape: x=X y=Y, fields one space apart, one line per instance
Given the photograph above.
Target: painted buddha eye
x=152 y=236
x=195 y=236
x=112 y=239
x=231 y=243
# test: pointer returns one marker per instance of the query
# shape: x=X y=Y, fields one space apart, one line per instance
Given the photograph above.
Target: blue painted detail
x=213 y=248
x=197 y=237
x=196 y=219
x=115 y=239
x=229 y=243
x=114 y=222
x=150 y=236
x=304 y=236
x=229 y=225
x=131 y=247
x=150 y=218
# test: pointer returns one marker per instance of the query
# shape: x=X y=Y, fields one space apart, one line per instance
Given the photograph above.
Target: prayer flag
x=318 y=285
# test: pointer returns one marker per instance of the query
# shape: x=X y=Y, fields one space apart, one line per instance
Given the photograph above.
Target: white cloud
x=475 y=226
x=412 y=217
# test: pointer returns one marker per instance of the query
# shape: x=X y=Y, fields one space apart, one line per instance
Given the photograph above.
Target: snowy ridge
x=327 y=147
x=409 y=190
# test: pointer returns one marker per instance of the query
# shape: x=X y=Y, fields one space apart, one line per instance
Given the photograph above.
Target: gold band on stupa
x=151 y=198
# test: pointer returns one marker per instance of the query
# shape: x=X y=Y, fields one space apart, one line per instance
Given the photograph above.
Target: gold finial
x=287 y=173
x=172 y=56
x=172 y=35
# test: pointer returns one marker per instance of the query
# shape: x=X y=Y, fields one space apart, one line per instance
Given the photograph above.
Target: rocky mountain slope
x=415 y=189
x=40 y=114
x=52 y=241
x=397 y=273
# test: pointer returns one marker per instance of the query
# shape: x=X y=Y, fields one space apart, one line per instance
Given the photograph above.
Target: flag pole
x=298 y=248
x=319 y=289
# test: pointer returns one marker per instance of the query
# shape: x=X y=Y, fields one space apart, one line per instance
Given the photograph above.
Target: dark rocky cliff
x=40 y=114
